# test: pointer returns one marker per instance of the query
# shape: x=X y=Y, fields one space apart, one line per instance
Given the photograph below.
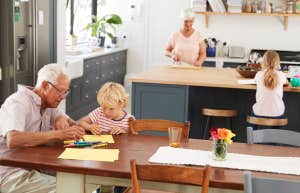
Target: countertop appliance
x=27 y=41
x=287 y=58
x=236 y=52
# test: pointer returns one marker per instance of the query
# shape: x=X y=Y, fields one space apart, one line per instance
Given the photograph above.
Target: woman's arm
x=202 y=54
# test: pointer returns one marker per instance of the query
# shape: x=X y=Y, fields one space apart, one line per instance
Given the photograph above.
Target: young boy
x=110 y=117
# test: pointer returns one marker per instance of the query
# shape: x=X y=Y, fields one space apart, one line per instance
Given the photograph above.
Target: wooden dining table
x=78 y=176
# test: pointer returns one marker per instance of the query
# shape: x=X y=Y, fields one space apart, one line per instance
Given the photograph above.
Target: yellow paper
x=90 y=138
x=108 y=155
x=103 y=138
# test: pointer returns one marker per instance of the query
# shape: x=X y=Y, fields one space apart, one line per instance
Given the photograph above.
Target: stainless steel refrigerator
x=27 y=41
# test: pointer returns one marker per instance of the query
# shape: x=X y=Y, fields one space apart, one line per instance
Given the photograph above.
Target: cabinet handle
x=97 y=77
x=102 y=75
x=87 y=66
x=86 y=96
x=97 y=63
x=75 y=86
x=87 y=81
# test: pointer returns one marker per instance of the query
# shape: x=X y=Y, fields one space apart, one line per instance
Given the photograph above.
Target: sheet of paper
x=90 y=138
x=246 y=81
x=107 y=155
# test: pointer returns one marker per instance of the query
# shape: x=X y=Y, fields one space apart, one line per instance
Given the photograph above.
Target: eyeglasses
x=61 y=93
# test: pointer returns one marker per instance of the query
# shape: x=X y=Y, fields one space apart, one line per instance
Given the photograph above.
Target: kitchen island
x=180 y=93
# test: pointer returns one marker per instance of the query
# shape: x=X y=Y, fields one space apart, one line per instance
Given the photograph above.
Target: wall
x=147 y=34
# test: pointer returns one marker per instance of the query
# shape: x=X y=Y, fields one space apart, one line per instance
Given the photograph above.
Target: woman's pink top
x=187 y=47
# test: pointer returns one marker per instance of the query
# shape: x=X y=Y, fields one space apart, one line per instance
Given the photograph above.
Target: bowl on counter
x=248 y=71
x=295 y=81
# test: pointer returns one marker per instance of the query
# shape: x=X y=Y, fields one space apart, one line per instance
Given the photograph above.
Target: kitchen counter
x=180 y=94
x=75 y=63
x=91 y=54
x=203 y=76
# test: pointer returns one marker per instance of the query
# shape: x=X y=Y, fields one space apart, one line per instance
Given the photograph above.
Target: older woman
x=187 y=44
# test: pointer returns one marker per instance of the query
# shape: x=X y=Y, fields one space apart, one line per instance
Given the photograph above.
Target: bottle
x=290 y=7
x=297 y=6
x=269 y=8
x=248 y=6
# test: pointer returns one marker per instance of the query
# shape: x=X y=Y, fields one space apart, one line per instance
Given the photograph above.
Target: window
x=82 y=11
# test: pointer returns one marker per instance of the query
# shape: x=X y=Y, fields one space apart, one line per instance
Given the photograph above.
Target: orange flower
x=222 y=133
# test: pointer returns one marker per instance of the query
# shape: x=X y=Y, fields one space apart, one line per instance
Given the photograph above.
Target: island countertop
x=196 y=76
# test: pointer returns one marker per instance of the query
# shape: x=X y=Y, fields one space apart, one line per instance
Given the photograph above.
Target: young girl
x=110 y=117
x=269 y=81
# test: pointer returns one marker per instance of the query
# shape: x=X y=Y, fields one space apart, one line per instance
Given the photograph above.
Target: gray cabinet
x=97 y=71
x=160 y=101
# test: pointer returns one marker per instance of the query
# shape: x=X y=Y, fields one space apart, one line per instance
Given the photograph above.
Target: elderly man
x=30 y=117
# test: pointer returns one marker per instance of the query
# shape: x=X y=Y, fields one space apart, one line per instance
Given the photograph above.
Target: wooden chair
x=267 y=121
x=169 y=174
x=209 y=113
x=140 y=125
x=265 y=185
x=278 y=136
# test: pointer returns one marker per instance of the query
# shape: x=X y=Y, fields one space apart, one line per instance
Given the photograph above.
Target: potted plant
x=105 y=26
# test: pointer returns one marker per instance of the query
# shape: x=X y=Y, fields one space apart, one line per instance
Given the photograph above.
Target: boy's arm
x=88 y=125
x=85 y=122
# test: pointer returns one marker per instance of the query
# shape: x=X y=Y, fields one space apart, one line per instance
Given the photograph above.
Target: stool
x=217 y=113
x=267 y=121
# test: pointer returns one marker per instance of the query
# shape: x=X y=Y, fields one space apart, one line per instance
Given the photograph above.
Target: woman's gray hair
x=50 y=72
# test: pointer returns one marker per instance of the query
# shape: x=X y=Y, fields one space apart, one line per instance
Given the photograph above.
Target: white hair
x=50 y=72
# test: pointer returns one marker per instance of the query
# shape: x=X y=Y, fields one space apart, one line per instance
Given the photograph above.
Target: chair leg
x=230 y=123
x=207 y=125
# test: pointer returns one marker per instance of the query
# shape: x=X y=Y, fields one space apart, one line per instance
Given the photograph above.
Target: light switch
x=41 y=17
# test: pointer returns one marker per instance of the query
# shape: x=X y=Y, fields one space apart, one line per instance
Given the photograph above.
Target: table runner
x=282 y=165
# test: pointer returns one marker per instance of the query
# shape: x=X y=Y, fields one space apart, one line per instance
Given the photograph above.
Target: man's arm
x=27 y=139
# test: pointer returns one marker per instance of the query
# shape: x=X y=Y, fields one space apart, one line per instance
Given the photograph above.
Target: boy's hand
x=95 y=129
x=117 y=130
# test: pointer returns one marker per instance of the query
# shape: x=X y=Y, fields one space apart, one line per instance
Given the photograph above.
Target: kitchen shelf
x=284 y=15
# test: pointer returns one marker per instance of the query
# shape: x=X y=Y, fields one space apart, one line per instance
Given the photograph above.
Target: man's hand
x=74 y=132
x=117 y=130
x=61 y=122
x=95 y=129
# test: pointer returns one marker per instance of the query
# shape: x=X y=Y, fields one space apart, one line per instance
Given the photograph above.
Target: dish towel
x=282 y=165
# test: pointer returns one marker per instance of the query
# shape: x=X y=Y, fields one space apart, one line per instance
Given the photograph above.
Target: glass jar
x=219 y=150
x=290 y=7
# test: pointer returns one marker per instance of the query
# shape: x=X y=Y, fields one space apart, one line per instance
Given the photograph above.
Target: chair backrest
x=139 y=125
x=169 y=174
x=267 y=121
x=278 y=136
x=266 y=185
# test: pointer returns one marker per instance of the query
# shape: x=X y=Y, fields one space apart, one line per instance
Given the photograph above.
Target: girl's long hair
x=271 y=62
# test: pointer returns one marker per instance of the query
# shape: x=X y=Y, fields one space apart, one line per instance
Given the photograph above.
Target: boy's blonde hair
x=271 y=62
x=112 y=94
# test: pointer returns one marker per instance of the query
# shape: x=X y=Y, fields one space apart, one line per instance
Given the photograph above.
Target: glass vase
x=219 y=150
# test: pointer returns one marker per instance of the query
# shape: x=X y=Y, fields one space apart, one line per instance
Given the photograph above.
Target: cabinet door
x=73 y=99
x=120 y=67
x=106 y=69
x=160 y=101
x=90 y=65
x=89 y=84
